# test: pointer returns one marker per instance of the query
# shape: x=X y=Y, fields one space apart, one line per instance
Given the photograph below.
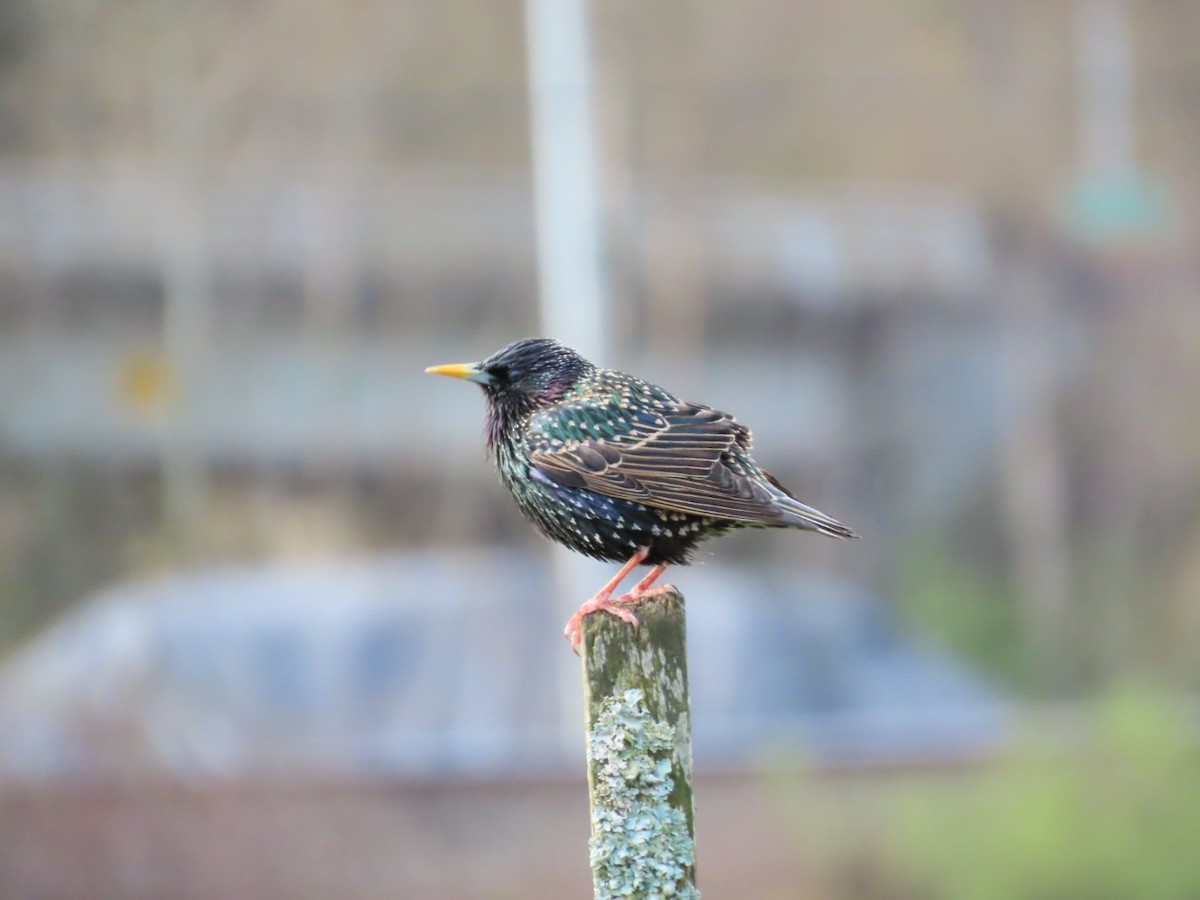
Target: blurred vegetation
x=1113 y=818
x=68 y=530
x=964 y=604
x=1102 y=806
x=63 y=533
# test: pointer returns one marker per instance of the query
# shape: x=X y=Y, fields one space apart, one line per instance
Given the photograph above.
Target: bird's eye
x=503 y=373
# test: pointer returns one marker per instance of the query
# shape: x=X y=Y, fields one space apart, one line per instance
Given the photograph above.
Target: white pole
x=1105 y=83
x=571 y=287
x=565 y=177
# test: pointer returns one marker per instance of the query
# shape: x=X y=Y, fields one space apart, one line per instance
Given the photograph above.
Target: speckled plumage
x=606 y=463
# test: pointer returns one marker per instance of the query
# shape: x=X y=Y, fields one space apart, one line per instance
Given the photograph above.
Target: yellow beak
x=469 y=371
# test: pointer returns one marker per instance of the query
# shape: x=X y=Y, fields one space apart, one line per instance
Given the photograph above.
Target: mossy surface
x=639 y=753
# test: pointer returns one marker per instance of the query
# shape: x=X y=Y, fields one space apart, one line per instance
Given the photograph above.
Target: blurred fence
x=404 y=240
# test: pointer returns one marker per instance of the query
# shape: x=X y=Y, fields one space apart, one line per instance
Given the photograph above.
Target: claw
x=573 y=631
x=603 y=601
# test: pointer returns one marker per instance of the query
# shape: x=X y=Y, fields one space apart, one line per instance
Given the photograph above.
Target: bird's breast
x=597 y=525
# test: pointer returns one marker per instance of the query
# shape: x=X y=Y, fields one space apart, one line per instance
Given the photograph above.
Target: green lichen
x=640 y=845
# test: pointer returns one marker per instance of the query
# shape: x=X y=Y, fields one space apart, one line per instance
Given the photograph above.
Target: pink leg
x=603 y=601
x=641 y=589
x=636 y=559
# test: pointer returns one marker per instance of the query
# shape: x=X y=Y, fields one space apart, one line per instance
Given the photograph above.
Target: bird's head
x=525 y=376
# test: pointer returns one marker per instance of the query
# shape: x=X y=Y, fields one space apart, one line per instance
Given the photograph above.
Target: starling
x=618 y=468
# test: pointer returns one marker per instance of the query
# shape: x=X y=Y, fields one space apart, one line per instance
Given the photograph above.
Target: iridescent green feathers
x=621 y=437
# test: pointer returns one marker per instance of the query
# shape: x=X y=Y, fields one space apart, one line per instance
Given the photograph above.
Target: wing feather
x=682 y=457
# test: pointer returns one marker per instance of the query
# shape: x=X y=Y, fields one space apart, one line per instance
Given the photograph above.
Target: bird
x=619 y=469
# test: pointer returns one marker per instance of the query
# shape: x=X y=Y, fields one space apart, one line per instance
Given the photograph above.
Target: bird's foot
x=602 y=602
x=641 y=594
x=607 y=604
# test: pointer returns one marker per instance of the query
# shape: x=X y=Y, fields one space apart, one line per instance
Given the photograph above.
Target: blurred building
x=939 y=256
x=404 y=669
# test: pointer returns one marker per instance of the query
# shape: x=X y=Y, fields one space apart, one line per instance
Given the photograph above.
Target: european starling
x=619 y=469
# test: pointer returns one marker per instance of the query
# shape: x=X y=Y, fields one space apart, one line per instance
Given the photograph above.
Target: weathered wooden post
x=639 y=747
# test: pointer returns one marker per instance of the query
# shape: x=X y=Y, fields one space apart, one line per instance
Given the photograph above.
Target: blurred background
x=269 y=625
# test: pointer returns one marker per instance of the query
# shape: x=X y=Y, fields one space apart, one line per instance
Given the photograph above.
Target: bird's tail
x=799 y=515
x=802 y=516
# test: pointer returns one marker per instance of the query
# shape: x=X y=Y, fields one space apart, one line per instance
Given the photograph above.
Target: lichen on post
x=640 y=752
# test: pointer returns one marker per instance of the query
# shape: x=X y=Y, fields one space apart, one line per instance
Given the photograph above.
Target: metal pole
x=1105 y=84
x=571 y=285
